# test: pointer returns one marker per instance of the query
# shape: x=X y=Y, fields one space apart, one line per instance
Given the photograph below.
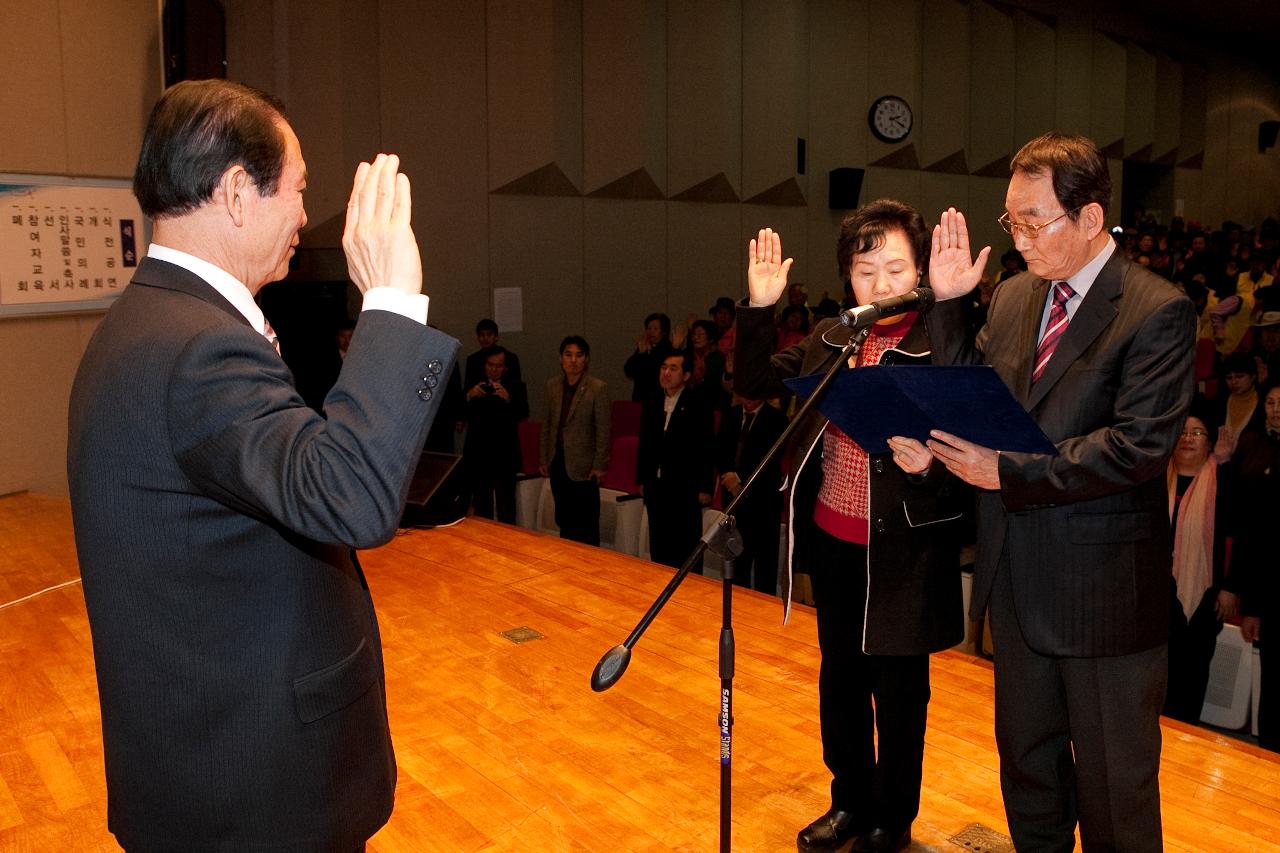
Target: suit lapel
x=167 y=276
x=1094 y=314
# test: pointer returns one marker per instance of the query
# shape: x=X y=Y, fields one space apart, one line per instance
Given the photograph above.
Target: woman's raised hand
x=766 y=270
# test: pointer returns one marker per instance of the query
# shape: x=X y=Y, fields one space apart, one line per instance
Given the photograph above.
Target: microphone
x=920 y=299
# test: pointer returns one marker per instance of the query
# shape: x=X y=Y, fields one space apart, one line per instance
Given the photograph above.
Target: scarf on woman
x=1193 y=534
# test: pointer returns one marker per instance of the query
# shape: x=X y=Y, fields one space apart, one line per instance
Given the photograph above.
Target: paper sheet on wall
x=508 y=309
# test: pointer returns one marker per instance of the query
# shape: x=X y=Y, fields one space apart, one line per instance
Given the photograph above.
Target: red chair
x=621 y=475
x=530 y=446
x=624 y=418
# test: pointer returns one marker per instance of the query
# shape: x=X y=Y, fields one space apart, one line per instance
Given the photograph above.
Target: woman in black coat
x=877 y=534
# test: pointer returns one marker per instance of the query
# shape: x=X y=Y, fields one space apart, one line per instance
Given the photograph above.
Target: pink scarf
x=1193 y=538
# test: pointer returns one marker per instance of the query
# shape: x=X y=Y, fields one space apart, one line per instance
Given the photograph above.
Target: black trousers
x=1191 y=646
x=1269 y=695
x=863 y=695
x=493 y=494
x=1079 y=738
x=577 y=504
x=675 y=521
x=759 y=520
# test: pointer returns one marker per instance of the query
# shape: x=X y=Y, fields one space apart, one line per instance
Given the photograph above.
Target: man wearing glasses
x=1074 y=548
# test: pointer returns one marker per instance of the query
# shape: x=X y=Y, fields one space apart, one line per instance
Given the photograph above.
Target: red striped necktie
x=1054 y=329
x=270 y=334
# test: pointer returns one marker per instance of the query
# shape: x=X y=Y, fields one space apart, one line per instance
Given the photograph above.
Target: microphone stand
x=723 y=539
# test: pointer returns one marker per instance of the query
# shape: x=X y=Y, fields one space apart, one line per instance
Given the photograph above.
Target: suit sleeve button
x=880 y=525
x=435 y=366
x=424 y=393
x=878 y=466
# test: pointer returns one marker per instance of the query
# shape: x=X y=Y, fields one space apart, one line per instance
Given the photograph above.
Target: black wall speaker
x=844 y=185
x=437 y=493
x=1267 y=133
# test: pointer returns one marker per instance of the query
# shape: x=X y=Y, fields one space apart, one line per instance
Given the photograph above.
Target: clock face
x=890 y=119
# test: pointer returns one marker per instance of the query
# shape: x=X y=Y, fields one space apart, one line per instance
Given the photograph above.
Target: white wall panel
x=838 y=99
x=775 y=88
x=534 y=75
x=433 y=113
x=624 y=280
x=991 y=99
x=1110 y=76
x=704 y=94
x=624 y=91
x=536 y=244
x=943 y=128
x=1034 y=79
x=1140 y=100
x=895 y=67
x=1168 y=109
x=1074 y=69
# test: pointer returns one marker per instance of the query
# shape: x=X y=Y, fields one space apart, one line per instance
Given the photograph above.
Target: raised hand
x=378 y=239
x=766 y=270
x=952 y=270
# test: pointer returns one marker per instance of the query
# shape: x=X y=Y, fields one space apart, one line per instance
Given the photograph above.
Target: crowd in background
x=698 y=441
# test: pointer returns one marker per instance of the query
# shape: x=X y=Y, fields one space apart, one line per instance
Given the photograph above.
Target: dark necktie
x=1054 y=329
x=748 y=418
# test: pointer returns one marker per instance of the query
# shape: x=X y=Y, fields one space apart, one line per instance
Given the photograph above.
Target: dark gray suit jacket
x=1086 y=533
x=238 y=658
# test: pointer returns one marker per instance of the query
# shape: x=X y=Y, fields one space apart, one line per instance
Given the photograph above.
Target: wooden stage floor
x=505 y=747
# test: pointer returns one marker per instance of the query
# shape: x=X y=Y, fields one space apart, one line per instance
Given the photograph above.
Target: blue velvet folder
x=870 y=404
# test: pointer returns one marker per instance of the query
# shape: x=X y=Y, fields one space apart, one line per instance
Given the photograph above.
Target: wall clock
x=890 y=119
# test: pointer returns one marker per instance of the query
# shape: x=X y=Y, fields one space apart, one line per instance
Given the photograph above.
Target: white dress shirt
x=411 y=305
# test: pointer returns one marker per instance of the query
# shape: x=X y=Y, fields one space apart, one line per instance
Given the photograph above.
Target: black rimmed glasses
x=1031 y=230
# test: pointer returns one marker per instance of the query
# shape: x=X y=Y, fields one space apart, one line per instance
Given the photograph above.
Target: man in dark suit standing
x=673 y=462
x=237 y=652
x=1074 y=548
x=747 y=431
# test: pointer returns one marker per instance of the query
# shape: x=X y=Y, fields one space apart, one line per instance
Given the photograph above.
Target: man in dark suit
x=1074 y=548
x=487 y=338
x=673 y=462
x=237 y=652
x=747 y=431
x=491 y=453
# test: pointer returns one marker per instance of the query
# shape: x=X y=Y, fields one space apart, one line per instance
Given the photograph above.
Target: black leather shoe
x=828 y=832
x=884 y=841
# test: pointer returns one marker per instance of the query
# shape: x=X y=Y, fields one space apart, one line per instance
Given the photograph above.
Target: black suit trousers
x=759 y=520
x=880 y=790
x=577 y=504
x=1191 y=647
x=675 y=521
x=1079 y=738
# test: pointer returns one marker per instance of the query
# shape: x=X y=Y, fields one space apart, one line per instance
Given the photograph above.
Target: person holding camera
x=491 y=451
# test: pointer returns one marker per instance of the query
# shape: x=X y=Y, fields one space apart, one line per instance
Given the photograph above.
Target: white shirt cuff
x=411 y=305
